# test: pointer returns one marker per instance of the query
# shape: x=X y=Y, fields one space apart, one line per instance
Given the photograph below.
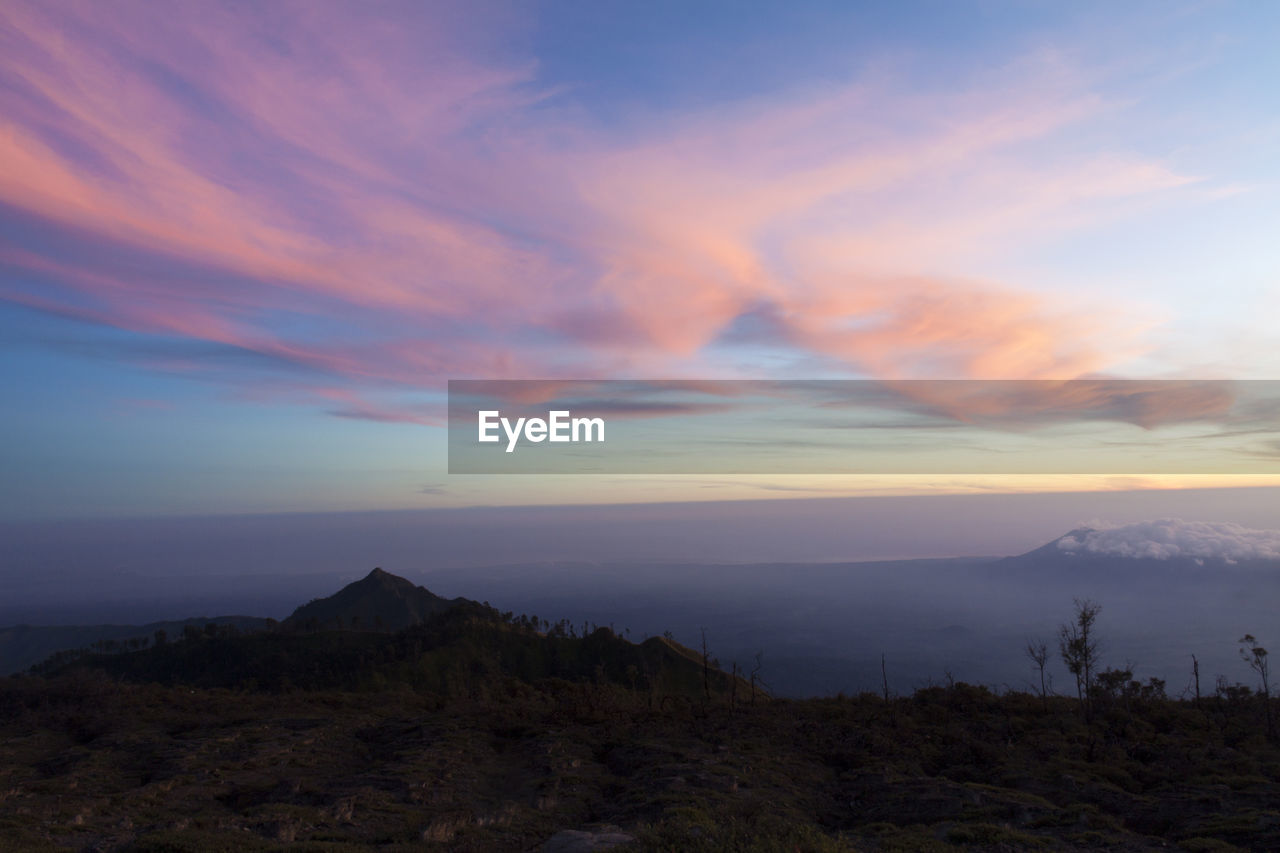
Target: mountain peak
x=379 y=578
x=380 y=601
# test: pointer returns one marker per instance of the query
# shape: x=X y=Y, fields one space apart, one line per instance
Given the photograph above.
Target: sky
x=243 y=247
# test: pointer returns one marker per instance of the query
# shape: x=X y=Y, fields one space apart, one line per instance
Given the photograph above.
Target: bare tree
x=1256 y=656
x=1038 y=651
x=1195 y=675
x=1080 y=648
x=755 y=674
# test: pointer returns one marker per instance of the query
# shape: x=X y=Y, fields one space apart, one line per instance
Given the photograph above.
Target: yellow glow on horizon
x=568 y=489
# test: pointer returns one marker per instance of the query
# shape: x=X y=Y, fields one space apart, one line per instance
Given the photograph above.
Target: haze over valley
x=1169 y=589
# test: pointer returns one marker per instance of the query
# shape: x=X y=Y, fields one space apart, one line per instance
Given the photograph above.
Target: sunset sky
x=244 y=246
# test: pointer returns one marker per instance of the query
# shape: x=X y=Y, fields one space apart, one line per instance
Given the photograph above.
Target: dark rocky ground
x=88 y=763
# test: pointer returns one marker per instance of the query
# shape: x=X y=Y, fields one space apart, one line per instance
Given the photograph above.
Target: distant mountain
x=1085 y=553
x=22 y=646
x=1053 y=554
x=380 y=601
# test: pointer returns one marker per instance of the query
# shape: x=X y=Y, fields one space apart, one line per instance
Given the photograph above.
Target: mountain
x=1099 y=554
x=1055 y=551
x=383 y=630
x=380 y=601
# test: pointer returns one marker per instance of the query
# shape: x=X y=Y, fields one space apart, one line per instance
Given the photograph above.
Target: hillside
x=22 y=646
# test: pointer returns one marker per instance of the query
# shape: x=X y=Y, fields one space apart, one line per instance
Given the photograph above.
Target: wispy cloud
x=367 y=200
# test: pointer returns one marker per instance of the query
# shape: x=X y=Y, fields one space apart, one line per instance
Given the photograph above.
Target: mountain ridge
x=383 y=629
x=24 y=645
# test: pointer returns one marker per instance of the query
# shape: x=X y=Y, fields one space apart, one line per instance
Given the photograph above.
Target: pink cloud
x=384 y=184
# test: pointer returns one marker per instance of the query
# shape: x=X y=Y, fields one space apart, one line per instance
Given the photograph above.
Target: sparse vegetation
x=1256 y=657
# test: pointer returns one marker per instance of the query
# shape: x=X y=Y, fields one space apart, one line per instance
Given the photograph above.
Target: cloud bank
x=1173 y=538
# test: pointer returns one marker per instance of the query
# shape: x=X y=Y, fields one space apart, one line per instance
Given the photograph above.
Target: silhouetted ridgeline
x=447 y=648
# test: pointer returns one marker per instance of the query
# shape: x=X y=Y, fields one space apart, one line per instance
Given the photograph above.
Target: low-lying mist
x=818 y=627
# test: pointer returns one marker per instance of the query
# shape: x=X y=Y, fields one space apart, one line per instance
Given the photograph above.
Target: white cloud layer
x=1172 y=538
